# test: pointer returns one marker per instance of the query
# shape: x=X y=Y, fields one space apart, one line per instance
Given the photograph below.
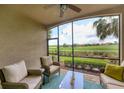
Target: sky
x=84 y=33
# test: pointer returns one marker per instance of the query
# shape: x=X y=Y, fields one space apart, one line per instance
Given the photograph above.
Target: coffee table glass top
x=78 y=82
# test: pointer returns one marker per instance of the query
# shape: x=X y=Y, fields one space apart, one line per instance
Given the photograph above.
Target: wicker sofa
x=111 y=83
x=12 y=77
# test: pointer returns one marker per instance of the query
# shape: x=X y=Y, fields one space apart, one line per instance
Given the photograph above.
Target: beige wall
x=21 y=38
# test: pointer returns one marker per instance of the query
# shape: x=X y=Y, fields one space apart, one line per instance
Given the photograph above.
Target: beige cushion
x=32 y=81
x=22 y=69
x=15 y=72
x=111 y=86
x=122 y=63
x=108 y=80
x=53 y=68
x=47 y=60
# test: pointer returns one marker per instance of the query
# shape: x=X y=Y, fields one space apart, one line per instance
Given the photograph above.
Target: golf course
x=105 y=50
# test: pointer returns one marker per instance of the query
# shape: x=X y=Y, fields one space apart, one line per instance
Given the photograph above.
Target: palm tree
x=106 y=26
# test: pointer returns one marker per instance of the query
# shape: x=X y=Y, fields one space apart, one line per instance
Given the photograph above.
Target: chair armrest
x=10 y=85
x=116 y=84
x=34 y=71
x=56 y=63
x=102 y=70
x=47 y=69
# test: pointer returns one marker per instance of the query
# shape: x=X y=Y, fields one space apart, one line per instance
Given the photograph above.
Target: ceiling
x=49 y=15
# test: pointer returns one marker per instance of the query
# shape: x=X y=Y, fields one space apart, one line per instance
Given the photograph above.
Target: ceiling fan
x=64 y=7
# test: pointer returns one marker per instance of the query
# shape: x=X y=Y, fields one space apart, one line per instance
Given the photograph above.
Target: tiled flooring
x=92 y=78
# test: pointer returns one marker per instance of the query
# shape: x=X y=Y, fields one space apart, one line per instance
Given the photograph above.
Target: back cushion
x=114 y=71
x=22 y=69
x=47 y=60
x=15 y=72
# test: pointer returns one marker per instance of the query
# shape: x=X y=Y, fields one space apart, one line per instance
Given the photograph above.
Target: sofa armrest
x=116 y=84
x=56 y=63
x=102 y=70
x=34 y=71
x=10 y=85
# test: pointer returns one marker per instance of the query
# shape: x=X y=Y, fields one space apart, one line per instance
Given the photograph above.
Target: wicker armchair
x=49 y=66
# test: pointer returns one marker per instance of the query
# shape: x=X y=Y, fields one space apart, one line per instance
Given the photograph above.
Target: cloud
x=65 y=35
x=84 y=33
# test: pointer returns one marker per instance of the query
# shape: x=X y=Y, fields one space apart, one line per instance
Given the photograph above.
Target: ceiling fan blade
x=74 y=8
x=49 y=6
x=61 y=12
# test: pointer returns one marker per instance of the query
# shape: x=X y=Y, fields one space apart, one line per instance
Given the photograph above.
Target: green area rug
x=55 y=81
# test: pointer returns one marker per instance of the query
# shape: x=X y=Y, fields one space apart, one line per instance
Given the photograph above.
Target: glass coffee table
x=78 y=83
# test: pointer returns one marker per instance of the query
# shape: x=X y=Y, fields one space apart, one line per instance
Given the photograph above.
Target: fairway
x=92 y=61
x=98 y=48
x=91 y=50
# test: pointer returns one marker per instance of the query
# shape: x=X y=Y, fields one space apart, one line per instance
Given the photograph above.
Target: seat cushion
x=32 y=81
x=15 y=72
x=114 y=71
x=108 y=80
x=111 y=86
x=54 y=68
x=47 y=60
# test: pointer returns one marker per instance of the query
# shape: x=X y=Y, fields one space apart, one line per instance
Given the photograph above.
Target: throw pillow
x=114 y=71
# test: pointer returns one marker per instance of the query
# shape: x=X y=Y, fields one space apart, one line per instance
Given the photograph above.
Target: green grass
x=105 y=48
x=109 y=49
x=92 y=61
